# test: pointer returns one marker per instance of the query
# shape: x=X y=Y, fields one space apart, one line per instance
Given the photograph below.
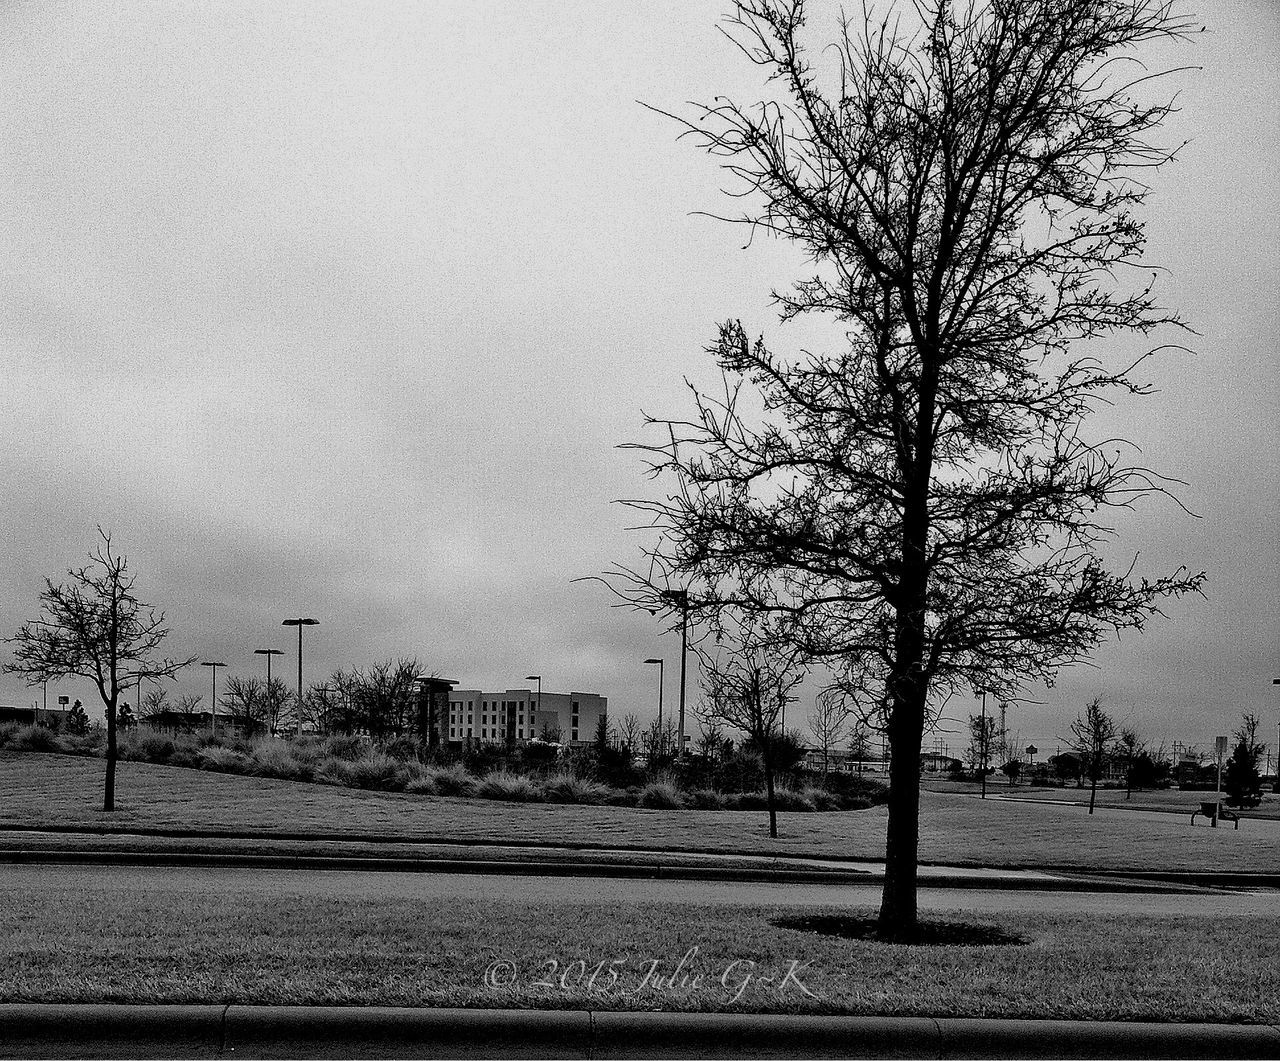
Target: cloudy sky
x=342 y=310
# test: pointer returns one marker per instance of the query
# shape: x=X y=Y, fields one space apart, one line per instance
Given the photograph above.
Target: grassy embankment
x=530 y=774
x=250 y=942
x=955 y=829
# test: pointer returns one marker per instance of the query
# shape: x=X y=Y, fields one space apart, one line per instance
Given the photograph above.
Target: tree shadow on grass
x=928 y=933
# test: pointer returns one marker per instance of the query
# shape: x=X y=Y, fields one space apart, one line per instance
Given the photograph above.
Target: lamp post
x=300 y=623
x=536 y=678
x=661 y=671
x=1276 y=786
x=275 y=708
x=213 y=706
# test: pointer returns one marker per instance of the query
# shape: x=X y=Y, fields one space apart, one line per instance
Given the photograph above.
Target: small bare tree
x=829 y=723
x=749 y=678
x=982 y=739
x=1127 y=749
x=245 y=702
x=629 y=731
x=1093 y=732
x=94 y=626
x=156 y=703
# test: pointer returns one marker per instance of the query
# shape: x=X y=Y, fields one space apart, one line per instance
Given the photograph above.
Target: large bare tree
x=922 y=501
x=94 y=626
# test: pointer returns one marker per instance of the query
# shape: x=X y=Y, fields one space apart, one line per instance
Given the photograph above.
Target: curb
x=210 y=1031
x=626 y=870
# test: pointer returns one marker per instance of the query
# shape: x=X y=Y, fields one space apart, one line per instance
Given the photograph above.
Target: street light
x=268 y=652
x=536 y=678
x=300 y=623
x=661 y=671
x=213 y=707
x=681 y=595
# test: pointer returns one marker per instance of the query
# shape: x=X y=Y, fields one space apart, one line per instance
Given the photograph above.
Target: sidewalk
x=51 y=1031
x=260 y=851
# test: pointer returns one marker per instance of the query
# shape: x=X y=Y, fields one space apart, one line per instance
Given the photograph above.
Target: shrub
x=747 y=801
x=660 y=795
x=452 y=780
x=35 y=739
x=377 y=770
x=621 y=797
x=790 y=799
x=566 y=788
x=515 y=788
x=334 y=771
x=421 y=784
x=7 y=732
x=273 y=757
x=149 y=748
x=407 y=749
x=342 y=746
x=705 y=799
x=223 y=760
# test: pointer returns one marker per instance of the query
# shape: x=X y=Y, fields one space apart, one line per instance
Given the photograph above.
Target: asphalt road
x=20 y=883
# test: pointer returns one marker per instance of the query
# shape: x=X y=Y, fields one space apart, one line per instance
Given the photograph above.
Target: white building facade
x=519 y=715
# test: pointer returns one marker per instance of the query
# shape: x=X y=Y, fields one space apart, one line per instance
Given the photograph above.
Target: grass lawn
x=1172 y=800
x=955 y=828
x=234 y=943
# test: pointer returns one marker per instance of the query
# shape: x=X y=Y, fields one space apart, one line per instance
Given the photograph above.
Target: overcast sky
x=342 y=310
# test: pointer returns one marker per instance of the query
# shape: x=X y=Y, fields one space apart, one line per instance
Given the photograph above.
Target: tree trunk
x=109 y=789
x=897 y=919
x=768 y=786
x=1093 y=789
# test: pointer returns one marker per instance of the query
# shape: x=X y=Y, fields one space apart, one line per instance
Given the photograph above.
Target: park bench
x=1215 y=812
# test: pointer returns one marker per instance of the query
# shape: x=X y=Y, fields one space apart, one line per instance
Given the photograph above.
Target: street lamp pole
x=268 y=652
x=300 y=623
x=683 y=596
x=213 y=706
x=275 y=705
x=536 y=678
x=661 y=671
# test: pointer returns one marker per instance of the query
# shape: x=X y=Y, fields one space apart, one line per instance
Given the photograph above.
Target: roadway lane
x=22 y=883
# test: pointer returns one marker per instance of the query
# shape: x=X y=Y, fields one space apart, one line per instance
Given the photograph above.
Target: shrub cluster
x=521 y=776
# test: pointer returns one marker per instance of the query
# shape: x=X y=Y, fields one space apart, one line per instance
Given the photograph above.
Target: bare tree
x=629 y=731
x=749 y=678
x=923 y=499
x=245 y=702
x=1093 y=732
x=386 y=696
x=277 y=699
x=188 y=706
x=156 y=703
x=94 y=626
x=982 y=739
x=829 y=723
x=1128 y=748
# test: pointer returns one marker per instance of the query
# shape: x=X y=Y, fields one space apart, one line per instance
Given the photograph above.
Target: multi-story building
x=519 y=715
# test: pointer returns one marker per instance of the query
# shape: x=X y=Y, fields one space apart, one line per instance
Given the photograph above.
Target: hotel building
x=515 y=716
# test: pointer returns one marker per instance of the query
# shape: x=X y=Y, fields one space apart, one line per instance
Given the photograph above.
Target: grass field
x=243 y=943
x=1171 y=800
x=955 y=828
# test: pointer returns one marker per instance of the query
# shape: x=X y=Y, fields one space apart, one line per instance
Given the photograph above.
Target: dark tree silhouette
x=93 y=626
x=922 y=500
x=1093 y=732
x=1241 y=779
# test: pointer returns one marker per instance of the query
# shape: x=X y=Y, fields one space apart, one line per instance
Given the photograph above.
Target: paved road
x=20 y=883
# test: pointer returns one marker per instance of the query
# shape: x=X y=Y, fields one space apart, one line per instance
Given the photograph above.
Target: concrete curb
x=204 y=1031
x=585 y=868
